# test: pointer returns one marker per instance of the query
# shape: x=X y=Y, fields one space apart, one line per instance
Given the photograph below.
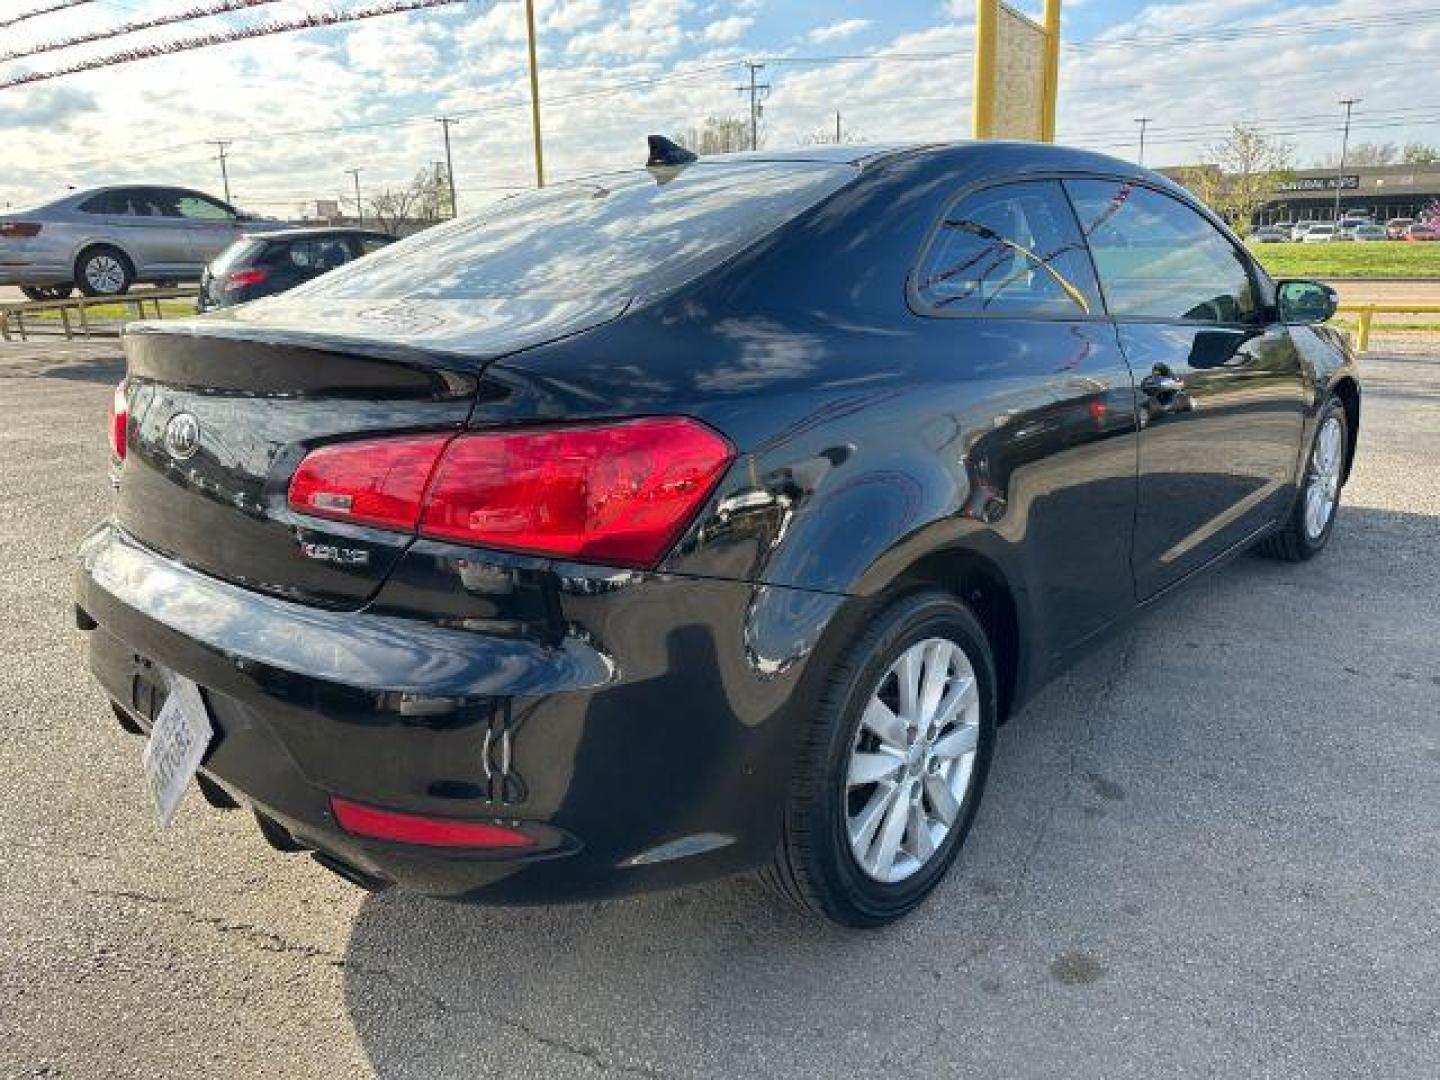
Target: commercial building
x=1383 y=191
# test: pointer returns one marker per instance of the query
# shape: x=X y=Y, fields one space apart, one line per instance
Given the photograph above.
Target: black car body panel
x=649 y=715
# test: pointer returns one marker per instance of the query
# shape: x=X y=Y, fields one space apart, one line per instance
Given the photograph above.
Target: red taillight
x=119 y=420
x=373 y=481
x=19 y=229
x=618 y=493
x=377 y=824
x=241 y=279
x=615 y=493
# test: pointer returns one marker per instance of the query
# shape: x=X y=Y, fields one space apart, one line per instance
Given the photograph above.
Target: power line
x=313 y=21
x=1263 y=30
x=61 y=6
x=224 y=7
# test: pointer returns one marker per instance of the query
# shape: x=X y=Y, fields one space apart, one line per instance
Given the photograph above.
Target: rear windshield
x=614 y=236
x=237 y=254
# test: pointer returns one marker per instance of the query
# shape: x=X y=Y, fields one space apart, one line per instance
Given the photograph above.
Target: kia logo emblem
x=182 y=436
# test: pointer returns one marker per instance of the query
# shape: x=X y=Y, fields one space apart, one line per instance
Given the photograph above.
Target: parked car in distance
x=1320 y=232
x=1301 y=228
x=1368 y=233
x=695 y=518
x=1287 y=227
x=1395 y=227
x=1270 y=234
x=1421 y=231
x=104 y=240
x=271 y=263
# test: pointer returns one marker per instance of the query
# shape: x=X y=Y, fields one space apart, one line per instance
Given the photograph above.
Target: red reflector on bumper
x=377 y=824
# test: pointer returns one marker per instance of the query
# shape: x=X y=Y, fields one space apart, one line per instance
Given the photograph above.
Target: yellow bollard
x=1363 y=338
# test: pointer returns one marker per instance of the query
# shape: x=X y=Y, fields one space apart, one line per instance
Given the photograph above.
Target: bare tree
x=1365 y=153
x=720 y=135
x=426 y=200
x=1247 y=166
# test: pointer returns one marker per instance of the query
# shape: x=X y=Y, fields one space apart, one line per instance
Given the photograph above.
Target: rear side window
x=107 y=202
x=199 y=208
x=1160 y=259
x=1011 y=251
x=615 y=236
x=317 y=254
x=371 y=244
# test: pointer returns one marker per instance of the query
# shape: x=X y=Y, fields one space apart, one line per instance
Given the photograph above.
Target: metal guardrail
x=75 y=314
x=1367 y=313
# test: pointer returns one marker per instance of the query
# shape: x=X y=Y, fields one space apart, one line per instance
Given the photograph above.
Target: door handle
x=1155 y=385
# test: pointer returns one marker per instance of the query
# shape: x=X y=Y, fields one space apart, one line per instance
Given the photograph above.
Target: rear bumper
x=18 y=270
x=648 y=746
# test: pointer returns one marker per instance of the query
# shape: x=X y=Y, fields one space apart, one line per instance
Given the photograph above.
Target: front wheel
x=892 y=765
x=1304 y=534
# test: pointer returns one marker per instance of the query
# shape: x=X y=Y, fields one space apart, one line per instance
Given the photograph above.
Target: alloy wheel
x=1323 y=489
x=105 y=275
x=912 y=759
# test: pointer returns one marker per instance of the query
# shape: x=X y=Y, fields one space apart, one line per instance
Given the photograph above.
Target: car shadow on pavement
x=107 y=370
x=1121 y=862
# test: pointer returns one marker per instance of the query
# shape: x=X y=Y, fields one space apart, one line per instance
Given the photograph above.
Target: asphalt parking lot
x=1212 y=851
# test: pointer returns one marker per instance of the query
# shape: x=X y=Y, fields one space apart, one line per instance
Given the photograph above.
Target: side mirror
x=1306 y=301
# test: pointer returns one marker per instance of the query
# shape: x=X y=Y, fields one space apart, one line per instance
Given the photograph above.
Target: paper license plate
x=178 y=741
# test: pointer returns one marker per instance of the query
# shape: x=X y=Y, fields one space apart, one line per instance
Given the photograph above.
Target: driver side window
x=1158 y=259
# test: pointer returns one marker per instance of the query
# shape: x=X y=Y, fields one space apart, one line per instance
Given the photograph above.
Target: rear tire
x=1307 y=529
x=825 y=864
x=104 y=271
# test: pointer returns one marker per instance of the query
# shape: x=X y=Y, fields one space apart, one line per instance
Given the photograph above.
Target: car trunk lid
x=223 y=408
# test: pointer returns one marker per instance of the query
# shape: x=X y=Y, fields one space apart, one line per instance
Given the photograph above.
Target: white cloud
x=725 y=31
x=145 y=121
x=837 y=31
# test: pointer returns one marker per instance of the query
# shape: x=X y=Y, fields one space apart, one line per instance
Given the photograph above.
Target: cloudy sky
x=302 y=108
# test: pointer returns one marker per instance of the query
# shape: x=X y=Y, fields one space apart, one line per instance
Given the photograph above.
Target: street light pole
x=359 y=206
x=1144 y=122
x=1349 y=104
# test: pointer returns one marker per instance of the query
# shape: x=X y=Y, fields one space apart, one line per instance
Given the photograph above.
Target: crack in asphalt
x=269 y=941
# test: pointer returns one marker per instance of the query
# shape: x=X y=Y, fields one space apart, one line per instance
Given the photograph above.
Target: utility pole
x=837 y=127
x=534 y=93
x=359 y=206
x=445 y=122
x=221 y=144
x=757 y=92
x=1349 y=103
x=1144 y=122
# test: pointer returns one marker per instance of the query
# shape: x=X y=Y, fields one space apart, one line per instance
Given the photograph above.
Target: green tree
x=1418 y=153
x=1246 y=167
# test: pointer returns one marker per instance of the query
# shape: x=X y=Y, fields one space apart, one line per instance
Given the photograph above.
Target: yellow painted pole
x=1366 y=314
x=1052 y=69
x=987 y=20
x=535 y=94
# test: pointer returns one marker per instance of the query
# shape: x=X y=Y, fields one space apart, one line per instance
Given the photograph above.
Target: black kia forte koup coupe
x=694 y=519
